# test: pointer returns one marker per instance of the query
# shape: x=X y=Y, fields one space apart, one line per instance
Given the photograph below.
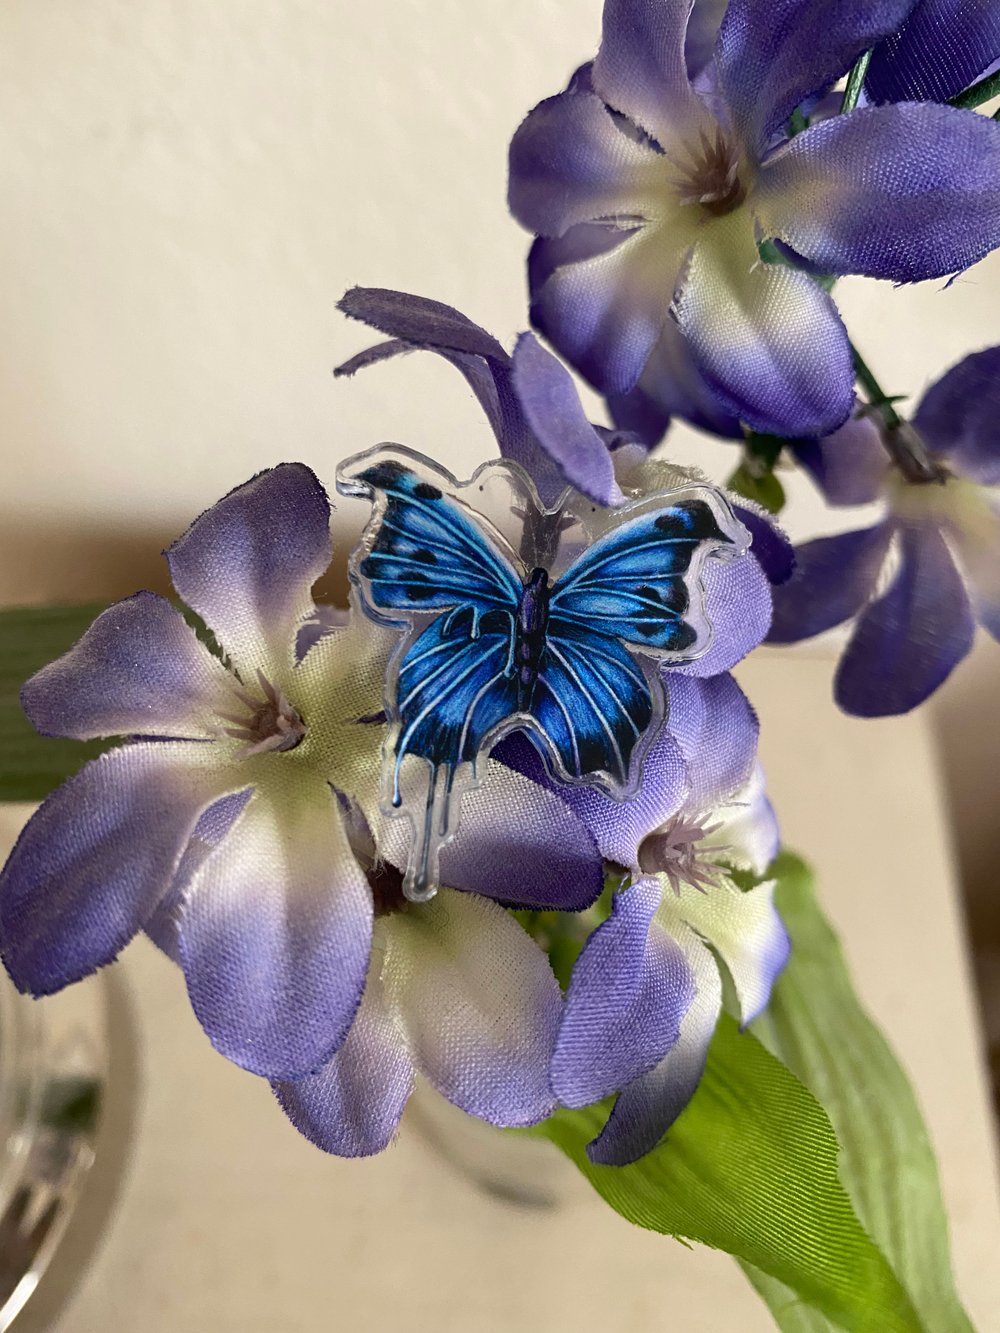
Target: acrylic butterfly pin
x=558 y=638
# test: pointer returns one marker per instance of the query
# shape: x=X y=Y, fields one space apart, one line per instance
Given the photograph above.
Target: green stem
x=876 y=396
x=902 y=443
x=855 y=82
x=979 y=93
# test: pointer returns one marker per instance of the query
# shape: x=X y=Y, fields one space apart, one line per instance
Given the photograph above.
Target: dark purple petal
x=909 y=641
x=352 y=1106
x=520 y=844
x=247 y=565
x=943 y=48
x=702 y=34
x=767 y=340
x=479 y=1005
x=618 y=827
x=605 y=314
x=275 y=936
x=738 y=606
x=671 y=385
x=834 y=578
x=419 y=321
x=902 y=192
x=850 y=466
x=769 y=547
x=640 y=69
x=631 y=987
x=571 y=163
x=959 y=417
x=92 y=864
x=716 y=728
x=552 y=406
x=138 y=670
x=585 y=241
x=772 y=54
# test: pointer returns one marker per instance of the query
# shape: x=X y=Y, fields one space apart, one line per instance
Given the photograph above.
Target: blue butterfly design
x=493 y=649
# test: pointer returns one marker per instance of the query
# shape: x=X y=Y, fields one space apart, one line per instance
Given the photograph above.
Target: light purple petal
x=771 y=57
x=570 y=162
x=834 y=578
x=977 y=543
x=479 y=1005
x=247 y=566
x=641 y=70
x=702 y=34
x=647 y=1108
x=605 y=314
x=767 y=340
x=352 y=1106
x=618 y=827
x=717 y=729
x=671 y=385
x=738 y=606
x=631 y=987
x=747 y=836
x=902 y=192
x=555 y=414
x=92 y=864
x=769 y=546
x=908 y=642
x=850 y=466
x=943 y=48
x=521 y=845
x=138 y=670
x=275 y=935
x=959 y=417
x=419 y=321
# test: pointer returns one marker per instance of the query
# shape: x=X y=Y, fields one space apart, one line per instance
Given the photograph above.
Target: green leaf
x=764 y=488
x=31 y=765
x=817 y=1026
x=750 y=1167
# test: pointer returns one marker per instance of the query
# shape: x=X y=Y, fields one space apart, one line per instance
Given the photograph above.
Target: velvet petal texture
x=92 y=864
x=631 y=987
x=247 y=566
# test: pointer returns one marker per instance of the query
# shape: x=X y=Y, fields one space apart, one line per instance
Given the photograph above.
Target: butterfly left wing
x=635 y=583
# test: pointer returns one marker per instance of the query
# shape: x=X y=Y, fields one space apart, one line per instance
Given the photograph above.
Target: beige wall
x=188 y=188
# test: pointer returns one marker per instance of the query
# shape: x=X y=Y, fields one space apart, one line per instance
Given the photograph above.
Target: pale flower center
x=677 y=850
x=707 y=172
x=270 y=722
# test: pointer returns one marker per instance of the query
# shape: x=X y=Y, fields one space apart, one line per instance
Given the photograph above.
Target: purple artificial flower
x=650 y=195
x=943 y=48
x=646 y=991
x=916 y=612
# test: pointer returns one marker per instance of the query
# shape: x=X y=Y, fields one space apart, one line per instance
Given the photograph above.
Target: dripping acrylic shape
x=552 y=621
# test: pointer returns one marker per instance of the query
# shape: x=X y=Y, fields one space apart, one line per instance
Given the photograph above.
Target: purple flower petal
x=631 y=987
x=850 y=466
x=618 y=827
x=352 y=1106
x=768 y=340
x=771 y=57
x=551 y=403
x=92 y=864
x=419 y=321
x=738 y=606
x=943 y=47
x=977 y=542
x=521 y=845
x=834 y=578
x=247 y=565
x=702 y=34
x=647 y=1108
x=903 y=192
x=717 y=729
x=605 y=314
x=570 y=162
x=641 y=70
x=770 y=547
x=909 y=641
x=671 y=385
x=479 y=1005
x=275 y=936
x=138 y=670
x=959 y=417
x=747 y=836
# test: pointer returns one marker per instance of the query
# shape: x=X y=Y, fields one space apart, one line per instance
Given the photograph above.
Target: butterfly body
x=497 y=643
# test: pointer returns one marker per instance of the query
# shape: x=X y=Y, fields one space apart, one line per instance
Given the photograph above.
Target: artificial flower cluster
x=694 y=193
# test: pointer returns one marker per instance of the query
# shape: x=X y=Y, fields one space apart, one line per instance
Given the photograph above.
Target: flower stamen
x=272 y=722
x=711 y=175
x=676 y=851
